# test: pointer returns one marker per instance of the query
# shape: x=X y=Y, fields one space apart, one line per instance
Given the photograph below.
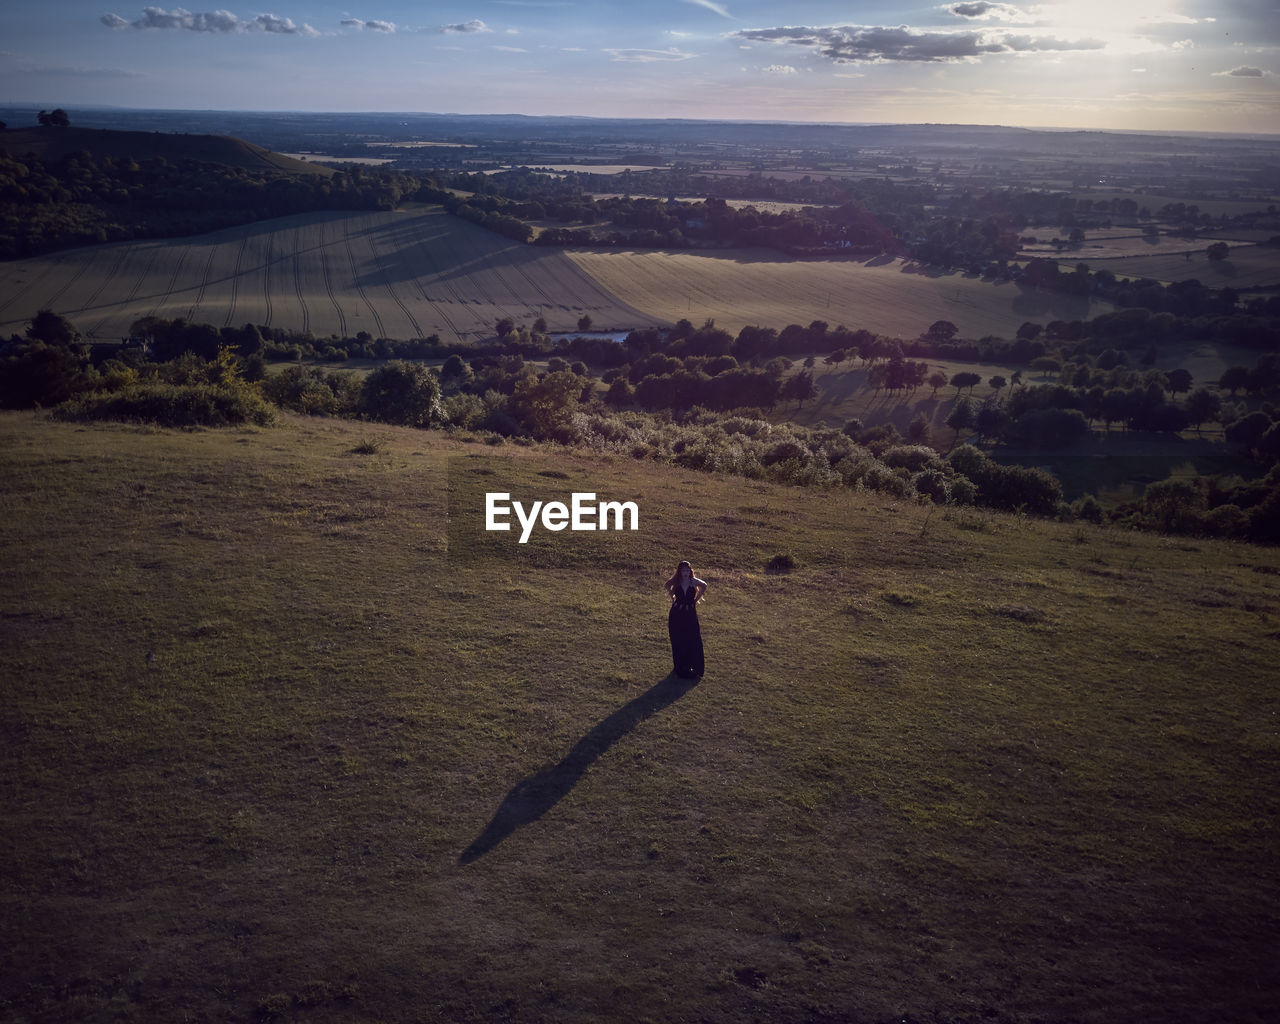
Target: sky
x=1166 y=65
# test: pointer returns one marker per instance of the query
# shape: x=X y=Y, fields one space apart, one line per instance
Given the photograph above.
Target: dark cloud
x=862 y=44
x=983 y=9
x=213 y=21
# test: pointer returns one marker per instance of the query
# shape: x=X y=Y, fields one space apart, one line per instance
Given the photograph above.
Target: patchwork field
x=416 y=272
x=401 y=274
x=887 y=296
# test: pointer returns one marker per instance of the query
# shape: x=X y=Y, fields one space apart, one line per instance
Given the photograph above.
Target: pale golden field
x=741 y=287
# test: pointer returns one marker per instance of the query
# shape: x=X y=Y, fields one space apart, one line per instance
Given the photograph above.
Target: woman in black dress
x=685 y=591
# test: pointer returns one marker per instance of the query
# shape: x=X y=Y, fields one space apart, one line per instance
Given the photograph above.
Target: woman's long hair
x=674 y=580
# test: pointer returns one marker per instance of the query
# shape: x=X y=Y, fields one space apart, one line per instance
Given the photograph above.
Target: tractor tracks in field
x=386 y=281
x=204 y=283
x=235 y=282
x=297 y=279
x=133 y=292
x=355 y=278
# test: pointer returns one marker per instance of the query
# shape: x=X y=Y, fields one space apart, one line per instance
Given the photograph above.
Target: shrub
x=401 y=392
x=172 y=405
x=780 y=564
x=933 y=484
x=912 y=457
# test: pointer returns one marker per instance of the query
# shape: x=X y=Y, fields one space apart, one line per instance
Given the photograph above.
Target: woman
x=685 y=591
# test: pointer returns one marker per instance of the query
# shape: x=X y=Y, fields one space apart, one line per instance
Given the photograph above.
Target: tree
x=544 y=404
x=996 y=383
x=920 y=430
x=1218 y=251
x=1234 y=378
x=936 y=380
x=584 y=322
x=962 y=416
x=965 y=379
x=401 y=392
x=836 y=358
x=799 y=387
x=941 y=331
x=505 y=326
x=1179 y=381
x=54 y=119
x=1202 y=405
x=52 y=329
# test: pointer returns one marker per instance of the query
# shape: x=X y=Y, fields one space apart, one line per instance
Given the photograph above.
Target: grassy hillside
x=52 y=144
x=287 y=736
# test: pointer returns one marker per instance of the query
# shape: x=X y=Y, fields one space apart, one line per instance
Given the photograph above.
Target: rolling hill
x=286 y=736
x=52 y=144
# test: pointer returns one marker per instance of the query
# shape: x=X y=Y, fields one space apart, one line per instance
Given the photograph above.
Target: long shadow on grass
x=531 y=798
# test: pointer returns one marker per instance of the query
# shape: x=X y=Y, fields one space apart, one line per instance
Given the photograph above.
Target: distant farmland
x=887 y=296
x=401 y=274
x=417 y=272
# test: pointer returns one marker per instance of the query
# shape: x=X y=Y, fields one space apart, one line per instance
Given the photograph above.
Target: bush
x=401 y=392
x=933 y=484
x=312 y=391
x=172 y=405
x=912 y=457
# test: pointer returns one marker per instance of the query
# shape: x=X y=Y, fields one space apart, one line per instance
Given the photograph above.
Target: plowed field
x=401 y=274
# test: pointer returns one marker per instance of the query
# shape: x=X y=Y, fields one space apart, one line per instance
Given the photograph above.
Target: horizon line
x=22 y=104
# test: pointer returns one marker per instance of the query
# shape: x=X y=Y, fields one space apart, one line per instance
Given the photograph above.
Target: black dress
x=686 y=635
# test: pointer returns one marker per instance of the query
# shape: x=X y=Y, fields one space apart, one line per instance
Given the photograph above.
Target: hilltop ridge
x=51 y=144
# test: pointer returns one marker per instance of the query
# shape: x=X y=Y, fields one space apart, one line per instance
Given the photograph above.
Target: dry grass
x=280 y=740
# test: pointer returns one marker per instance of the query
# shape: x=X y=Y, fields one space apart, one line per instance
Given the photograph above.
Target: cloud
x=511 y=49
x=862 y=44
x=983 y=9
x=649 y=56
x=780 y=69
x=466 y=26
x=1244 y=71
x=371 y=26
x=219 y=21
x=709 y=5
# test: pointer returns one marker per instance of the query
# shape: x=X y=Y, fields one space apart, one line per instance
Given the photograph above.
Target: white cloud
x=780 y=69
x=375 y=25
x=218 y=21
x=466 y=26
x=1244 y=71
x=649 y=56
x=511 y=49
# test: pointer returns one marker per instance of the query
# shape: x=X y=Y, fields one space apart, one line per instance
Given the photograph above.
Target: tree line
x=676 y=396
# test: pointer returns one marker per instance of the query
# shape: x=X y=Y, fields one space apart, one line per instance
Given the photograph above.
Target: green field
x=287 y=736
